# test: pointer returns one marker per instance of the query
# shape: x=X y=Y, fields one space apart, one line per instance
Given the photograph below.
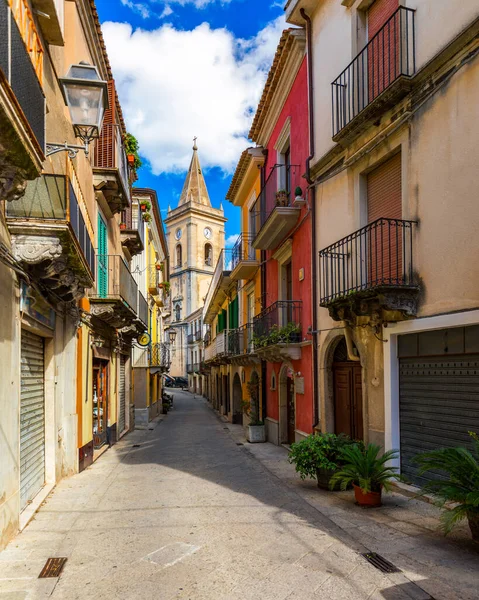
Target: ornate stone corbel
x=34 y=249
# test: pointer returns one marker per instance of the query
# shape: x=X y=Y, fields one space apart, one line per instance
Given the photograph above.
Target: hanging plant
x=146 y=217
x=144 y=206
x=132 y=148
x=165 y=286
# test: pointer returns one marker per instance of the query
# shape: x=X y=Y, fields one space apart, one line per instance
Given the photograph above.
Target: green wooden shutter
x=102 y=274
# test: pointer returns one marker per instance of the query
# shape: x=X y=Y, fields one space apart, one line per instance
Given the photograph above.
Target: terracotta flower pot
x=143 y=207
x=473 y=519
x=131 y=159
x=122 y=226
x=370 y=499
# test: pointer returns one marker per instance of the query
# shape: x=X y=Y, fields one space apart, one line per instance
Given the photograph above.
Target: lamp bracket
x=71 y=149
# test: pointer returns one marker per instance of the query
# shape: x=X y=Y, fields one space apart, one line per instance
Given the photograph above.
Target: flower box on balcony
x=146 y=217
x=122 y=226
x=282 y=198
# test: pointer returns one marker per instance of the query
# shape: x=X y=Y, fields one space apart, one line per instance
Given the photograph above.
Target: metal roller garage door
x=32 y=417
x=121 y=419
x=439 y=404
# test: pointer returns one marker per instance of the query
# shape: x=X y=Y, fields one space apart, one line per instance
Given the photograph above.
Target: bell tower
x=196 y=236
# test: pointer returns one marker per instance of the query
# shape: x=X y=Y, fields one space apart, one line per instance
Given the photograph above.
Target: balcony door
x=348 y=396
x=385 y=240
x=102 y=262
x=384 y=45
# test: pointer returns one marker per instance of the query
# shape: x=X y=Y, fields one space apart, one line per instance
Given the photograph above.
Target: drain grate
x=380 y=563
x=53 y=567
x=136 y=446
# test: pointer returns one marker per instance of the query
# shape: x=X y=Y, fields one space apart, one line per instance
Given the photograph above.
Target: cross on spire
x=195 y=147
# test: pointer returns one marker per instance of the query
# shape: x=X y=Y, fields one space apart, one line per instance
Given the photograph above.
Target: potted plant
x=122 y=226
x=165 y=286
x=159 y=267
x=165 y=406
x=319 y=456
x=132 y=151
x=146 y=217
x=145 y=206
x=282 y=198
x=460 y=486
x=256 y=431
x=367 y=470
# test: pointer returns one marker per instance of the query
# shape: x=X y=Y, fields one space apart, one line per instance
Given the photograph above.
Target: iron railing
x=278 y=190
x=280 y=323
x=143 y=311
x=196 y=367
x=189 y=368
x=389 y=55
x=219 y=346
x=110 y=154
x=133 y=221
x=191 y=338
x=243 y=250
x=241 y=340
x=378 y=255
x=223 y=267
x=115 y=281
x=160 y=355
x=153 y=280
x=198 y=335
x=52 y=198
x=21 y=60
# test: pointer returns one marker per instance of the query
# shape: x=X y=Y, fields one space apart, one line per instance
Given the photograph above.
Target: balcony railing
x=110 y=154
x=143 y=311
x=189 y=368
x=51 y=199
x=241 y=340
x=160 y=356
x=21 y=60
x=153 y=276
x=132 y=230
x=219 y=280
x=219 y=347
x=243 y=250
x=198 y=335
x=380 y=255
x=280 y=323
x=191 y=338
x=386 y=58
x=115 y=282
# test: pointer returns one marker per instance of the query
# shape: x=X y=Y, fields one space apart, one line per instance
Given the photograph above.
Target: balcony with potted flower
x=132 y=232
x=241 y=346
x=278 y=207
x=245 y=259
x=277 y=331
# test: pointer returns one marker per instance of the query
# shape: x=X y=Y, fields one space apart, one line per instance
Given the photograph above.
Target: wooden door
x=348 y=399
x=290 y=409
x=100 y=403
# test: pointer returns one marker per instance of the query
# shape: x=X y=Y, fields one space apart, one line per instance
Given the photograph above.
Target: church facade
x=195 y=236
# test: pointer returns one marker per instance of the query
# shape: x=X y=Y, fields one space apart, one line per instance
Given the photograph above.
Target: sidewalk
x=405 y=531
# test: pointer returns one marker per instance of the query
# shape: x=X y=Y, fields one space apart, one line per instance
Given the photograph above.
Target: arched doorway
x=287 y=407
x=237 y=400
x=347 y=393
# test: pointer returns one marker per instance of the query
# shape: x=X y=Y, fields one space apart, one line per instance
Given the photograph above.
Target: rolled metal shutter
x=121 y=419
x=32 y=417
x=438 y=405
x=384 y=190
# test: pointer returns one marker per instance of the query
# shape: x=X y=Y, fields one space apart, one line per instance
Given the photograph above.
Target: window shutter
x=384 y=190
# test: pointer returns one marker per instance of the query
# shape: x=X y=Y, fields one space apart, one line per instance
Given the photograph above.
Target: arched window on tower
x=208 y=255
x=179 y=255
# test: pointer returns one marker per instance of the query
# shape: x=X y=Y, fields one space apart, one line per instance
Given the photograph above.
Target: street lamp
x=86 y=96
x=172 y=335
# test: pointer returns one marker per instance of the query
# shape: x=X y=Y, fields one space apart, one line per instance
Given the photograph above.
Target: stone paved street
x=192 y=514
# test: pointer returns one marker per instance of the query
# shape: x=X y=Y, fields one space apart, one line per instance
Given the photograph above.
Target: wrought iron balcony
x=370 y=269
x=191 y=338
x=218 y=287
x=116 y=299
x=377 y=77
x=198 y=335
x=245 y=261
x=275 y=212
x=218 y=351
x=160 y=356
x=132 y=231
x=22 y=116
x=110 y=168
x=241 y=345
x=277 y=331
x=153 y=280
x=50 y=237
x=189 y=368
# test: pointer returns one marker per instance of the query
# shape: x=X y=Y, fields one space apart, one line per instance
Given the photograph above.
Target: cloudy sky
x=188 y=68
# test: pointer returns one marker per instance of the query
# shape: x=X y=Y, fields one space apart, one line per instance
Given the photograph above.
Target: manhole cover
x=380 y=563
x=53 y=567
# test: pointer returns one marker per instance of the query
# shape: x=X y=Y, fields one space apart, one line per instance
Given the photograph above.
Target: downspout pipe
x=312 y=189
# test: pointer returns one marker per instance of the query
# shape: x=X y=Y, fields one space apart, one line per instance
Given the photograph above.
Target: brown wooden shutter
x=384 y=190
x=105 y=146
x=379 y=12
x=385 y=243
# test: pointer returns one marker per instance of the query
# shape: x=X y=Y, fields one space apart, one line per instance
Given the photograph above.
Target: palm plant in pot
x=319 y=456
x=460 y=484
x=367 y=470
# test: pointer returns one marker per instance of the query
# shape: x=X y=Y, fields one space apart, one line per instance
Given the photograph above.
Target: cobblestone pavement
x=194 y=513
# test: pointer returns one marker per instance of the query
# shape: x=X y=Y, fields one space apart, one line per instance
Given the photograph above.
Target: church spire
x=195 y=189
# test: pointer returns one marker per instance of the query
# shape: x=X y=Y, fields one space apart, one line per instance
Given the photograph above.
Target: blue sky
x=188 y=68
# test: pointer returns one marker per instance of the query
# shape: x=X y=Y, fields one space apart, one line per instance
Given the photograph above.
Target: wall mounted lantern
x=86 y=96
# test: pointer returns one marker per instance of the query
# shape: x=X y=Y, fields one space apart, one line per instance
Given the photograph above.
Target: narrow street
x=189 y=513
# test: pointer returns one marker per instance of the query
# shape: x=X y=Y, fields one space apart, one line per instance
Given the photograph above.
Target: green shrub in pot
x=319 y=456
x=459 y=486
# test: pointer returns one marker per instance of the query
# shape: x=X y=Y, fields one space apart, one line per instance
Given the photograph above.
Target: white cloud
x=139 y=7
x=176 y=84
x=231 y=240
